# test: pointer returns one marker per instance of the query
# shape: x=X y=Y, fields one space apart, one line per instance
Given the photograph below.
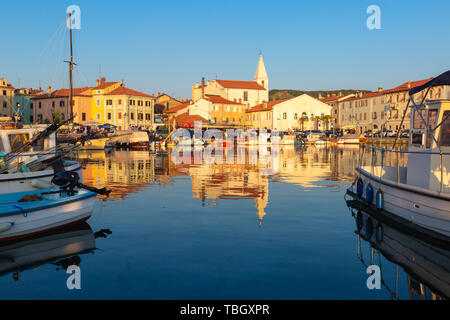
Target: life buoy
x=291 y=132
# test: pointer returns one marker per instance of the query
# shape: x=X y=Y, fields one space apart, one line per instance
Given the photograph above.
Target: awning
x=443 y=79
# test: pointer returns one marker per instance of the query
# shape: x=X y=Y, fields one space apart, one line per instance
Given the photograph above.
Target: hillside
x=279 y=94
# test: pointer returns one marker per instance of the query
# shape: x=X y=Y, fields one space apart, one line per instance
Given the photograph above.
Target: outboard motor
x=67 y=180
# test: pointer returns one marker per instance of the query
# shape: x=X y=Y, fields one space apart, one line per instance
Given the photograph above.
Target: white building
x=249 y=93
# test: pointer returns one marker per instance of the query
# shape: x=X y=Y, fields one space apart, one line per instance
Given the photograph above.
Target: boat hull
x=425 y=208
x=28 y=219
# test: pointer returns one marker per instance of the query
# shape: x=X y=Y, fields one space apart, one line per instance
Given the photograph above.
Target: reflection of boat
x=24 y=214
x=426 y=263
x=50 y=247
x=352 y=139
x=418 y=193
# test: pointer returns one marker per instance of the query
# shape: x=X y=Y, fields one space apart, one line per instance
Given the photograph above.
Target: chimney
x=159 y=93
x=49 y=89
x=98 y=82
x=409 y=85
x=319 y=96
x=328 y=94
x=181 y=99
x=203 y=87
x=380 y=89
x=264 y=105
x=334 y=95
x=340 y=94
x=103 y=80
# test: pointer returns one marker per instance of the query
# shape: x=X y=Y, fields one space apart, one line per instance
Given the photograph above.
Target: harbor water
x=243 y=229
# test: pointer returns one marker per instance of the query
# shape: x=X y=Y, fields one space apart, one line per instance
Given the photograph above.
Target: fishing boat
x=22 y=166
x=47 y=209
x=418 y=193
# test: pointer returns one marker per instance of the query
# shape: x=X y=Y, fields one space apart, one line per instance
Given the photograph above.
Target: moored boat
x=23 y=214
x=418 y=193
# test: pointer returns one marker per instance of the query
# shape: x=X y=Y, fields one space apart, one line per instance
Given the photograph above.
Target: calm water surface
x=279 y=230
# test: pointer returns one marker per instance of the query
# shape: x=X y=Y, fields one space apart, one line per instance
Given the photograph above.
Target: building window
x=284 y=115
x=132 y=115
x=31 y=107
x=31 y=119
x=245 y=95
x=119 y=115
x=109 y=102
x=4 y=92
x=140 y=116
x=295 y=116
x=97 y=102
x=120 y=102
x=98 y=116
x=147 y=116
x=53 y=104
x=83 y=116
x=40 y=105
x=4 y=104
x=109 y=115
x=61 y=103
x=132 y=102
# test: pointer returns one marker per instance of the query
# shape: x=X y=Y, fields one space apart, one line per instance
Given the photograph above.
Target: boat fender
x=359 y=188
x=379 y=231
x=359 y=222
x=41 y=184
x=369 y=194
x=380 y=199
x=369 y=228
x=5 y=226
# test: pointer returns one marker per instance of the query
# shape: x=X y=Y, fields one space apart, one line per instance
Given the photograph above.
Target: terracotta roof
x=106 y=85
x=186 y=118
x=85 y=91
x=270 y=104
x=408 y=85
x=234 y=84
x=219 y=99
x=128 y=92
x=178 y=108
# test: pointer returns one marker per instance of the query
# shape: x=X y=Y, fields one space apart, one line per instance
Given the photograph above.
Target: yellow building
x=98 y=102
x=6 y=98
x=226 y=111
x=123 y=107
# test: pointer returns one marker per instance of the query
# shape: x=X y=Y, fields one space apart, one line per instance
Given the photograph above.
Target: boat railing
x=396 y=156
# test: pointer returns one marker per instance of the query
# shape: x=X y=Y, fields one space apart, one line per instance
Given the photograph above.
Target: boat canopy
x=443 y=79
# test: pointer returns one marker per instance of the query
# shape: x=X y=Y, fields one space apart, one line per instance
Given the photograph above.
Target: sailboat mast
x=71 y=68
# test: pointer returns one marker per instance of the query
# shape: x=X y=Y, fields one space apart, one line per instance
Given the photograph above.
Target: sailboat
x=69 y=201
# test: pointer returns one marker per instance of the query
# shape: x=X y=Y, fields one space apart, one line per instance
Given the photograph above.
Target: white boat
x=47 y=210
x=28 y=169
x=418 y=193
x=95 y=144
x=129 y=139
x=351 y=139
x=287 y=139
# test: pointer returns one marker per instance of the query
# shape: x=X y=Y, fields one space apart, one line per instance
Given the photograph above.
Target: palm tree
x=302 y=120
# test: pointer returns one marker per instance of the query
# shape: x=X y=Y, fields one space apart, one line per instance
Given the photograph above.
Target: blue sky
x=169 y=45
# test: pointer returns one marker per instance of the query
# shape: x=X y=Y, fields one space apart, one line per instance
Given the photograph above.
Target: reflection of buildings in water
x=123 y=171
x=426 y=264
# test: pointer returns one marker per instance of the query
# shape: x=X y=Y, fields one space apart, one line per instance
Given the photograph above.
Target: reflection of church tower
x=261 y=75
x=261 y=204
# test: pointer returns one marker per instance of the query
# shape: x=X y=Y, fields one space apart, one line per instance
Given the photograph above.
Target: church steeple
x=261 y=75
